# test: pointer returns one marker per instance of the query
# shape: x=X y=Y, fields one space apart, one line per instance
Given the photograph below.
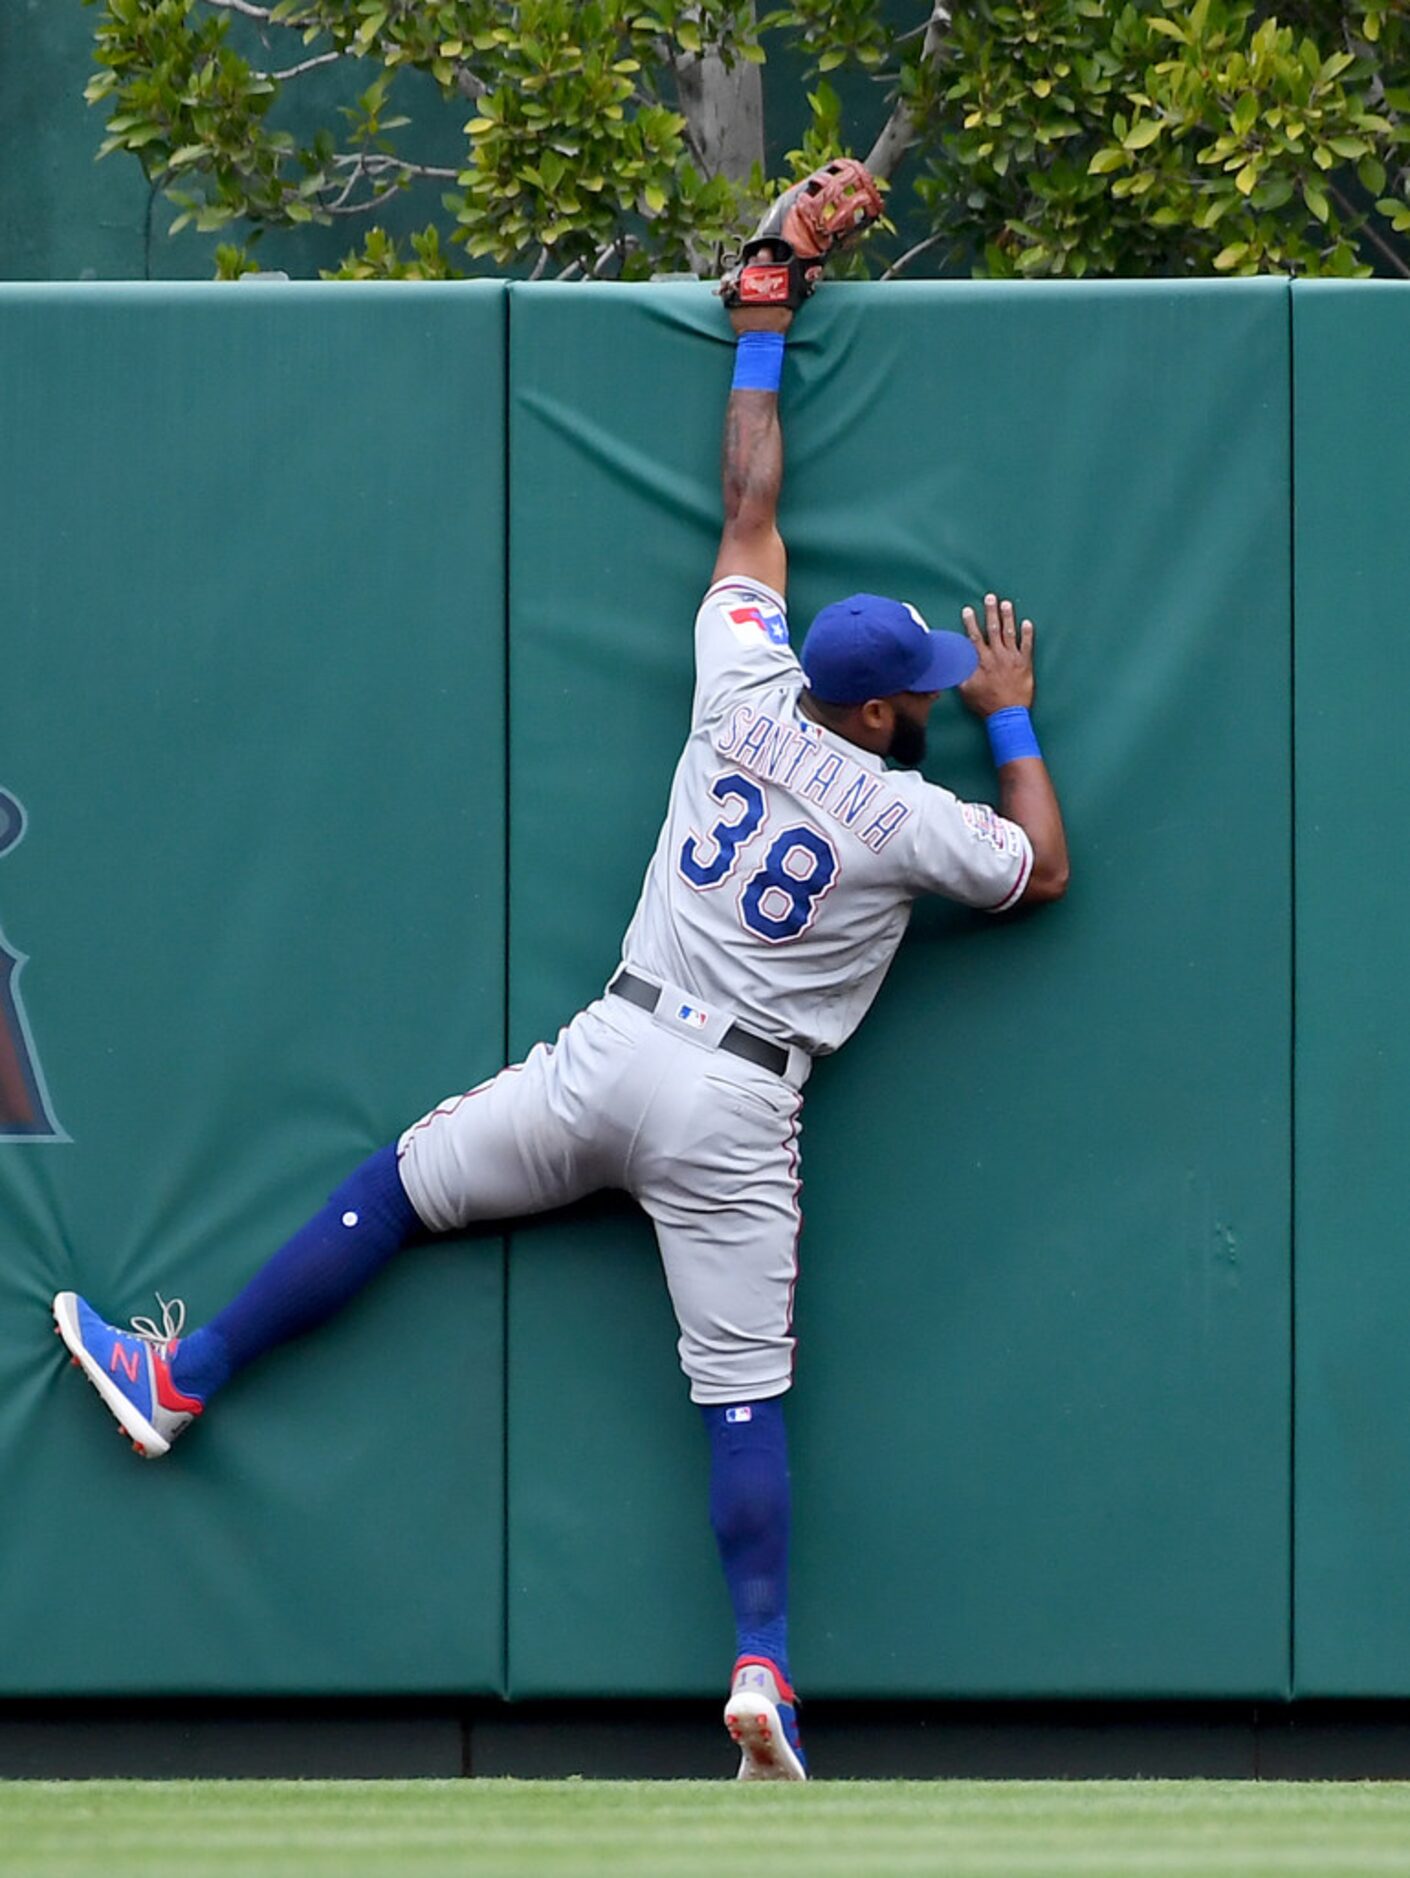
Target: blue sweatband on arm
x=1011 y=735
x=758 y=362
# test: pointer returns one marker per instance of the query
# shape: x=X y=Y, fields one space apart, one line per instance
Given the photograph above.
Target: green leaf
x=1316 y=199
x=1274 y=192
x=1246 y=179
x=1230 y=256
x=1143 y=134
x=1105 y=161
x=370 y=28
x=1371 y=173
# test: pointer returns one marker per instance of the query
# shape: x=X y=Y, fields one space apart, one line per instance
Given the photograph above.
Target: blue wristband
x=758 y=362
x=1011 y=735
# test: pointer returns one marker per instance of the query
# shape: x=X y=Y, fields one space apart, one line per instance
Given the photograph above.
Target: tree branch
x=360 y=165
x=349 y=186
x=361 y=208
x=900 y=130
x=618 y=245
x=931 y=241
x=1372 y=233
x=293 y=71
x=242 y=6
x=379 y=165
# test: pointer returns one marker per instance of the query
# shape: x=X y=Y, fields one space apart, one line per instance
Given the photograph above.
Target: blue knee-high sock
x=308 y=1279
x=749 y=1510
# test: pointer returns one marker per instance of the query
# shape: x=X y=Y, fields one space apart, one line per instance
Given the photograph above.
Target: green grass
x=694 y=1829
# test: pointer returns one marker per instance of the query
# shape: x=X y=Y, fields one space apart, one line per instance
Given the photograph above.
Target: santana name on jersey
x=796 y=757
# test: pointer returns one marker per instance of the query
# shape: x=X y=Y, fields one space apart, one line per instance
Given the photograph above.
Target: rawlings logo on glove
x=783 y=259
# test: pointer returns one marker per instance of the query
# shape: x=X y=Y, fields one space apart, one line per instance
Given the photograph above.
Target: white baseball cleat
x=762 y=1723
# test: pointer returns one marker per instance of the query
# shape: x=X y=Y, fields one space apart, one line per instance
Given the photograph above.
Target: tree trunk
x=724 y=123
x=899 y=131
x=724 y=113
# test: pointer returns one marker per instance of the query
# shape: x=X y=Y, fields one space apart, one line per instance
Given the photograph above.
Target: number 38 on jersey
x=780 y=896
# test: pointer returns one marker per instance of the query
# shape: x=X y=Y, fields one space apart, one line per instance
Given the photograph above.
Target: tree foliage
x=1021 y=137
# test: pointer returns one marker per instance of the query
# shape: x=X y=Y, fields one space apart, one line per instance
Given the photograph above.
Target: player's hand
x=1004 y=675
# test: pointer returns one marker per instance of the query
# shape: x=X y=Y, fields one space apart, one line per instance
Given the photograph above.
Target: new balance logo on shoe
x=129 y=1361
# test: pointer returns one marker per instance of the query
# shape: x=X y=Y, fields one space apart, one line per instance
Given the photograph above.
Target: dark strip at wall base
x=45 y=1740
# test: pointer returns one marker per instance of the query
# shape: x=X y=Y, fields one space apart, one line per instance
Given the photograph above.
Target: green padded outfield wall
x=1351 y=343
x=252 y=613
x=252 y=807
x=1041 y=1423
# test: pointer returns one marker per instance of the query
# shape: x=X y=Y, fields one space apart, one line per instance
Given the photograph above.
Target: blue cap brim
x=952 y=658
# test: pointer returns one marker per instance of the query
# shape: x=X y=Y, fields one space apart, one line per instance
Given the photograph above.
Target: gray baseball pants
x=705 y=1141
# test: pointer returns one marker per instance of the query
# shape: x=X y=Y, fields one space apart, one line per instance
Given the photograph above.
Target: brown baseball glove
x=783 y=259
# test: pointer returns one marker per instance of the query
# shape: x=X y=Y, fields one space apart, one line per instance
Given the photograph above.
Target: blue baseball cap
x=869 y=647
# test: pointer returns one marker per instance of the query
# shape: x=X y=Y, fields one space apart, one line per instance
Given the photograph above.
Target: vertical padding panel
x=253 y=710
x=1040 y=1428
x=1353 y=1000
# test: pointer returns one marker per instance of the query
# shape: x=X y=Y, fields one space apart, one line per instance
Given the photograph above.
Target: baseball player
x=777 y=896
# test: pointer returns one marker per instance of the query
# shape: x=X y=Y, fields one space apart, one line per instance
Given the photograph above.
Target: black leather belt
x=737 y=1040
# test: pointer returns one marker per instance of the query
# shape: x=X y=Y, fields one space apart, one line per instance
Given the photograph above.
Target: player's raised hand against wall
x=1004 y=676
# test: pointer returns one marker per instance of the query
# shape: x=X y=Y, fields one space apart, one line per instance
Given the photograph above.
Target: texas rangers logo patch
x=25 y=1114
x=749 y=621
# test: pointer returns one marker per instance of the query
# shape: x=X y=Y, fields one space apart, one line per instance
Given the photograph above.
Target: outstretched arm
x=1003 y=681
x=752 y=469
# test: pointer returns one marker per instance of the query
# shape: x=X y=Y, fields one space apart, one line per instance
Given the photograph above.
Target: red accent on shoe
x=768 y=1663
x=168 y=1394
x=119 y=1359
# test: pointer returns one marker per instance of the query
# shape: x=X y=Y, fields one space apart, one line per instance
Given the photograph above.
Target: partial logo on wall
x=25 y=1113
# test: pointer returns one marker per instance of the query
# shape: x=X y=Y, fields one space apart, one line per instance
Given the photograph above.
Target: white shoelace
x=173 y=1321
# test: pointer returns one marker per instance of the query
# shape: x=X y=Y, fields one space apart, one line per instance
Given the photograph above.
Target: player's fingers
x=1006 y=625
x=991 y=615
x=1025 y=638
x=971 y=625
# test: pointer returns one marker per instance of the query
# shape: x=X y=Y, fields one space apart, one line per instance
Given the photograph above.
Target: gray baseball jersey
x=776 y=898
x=784 y=876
